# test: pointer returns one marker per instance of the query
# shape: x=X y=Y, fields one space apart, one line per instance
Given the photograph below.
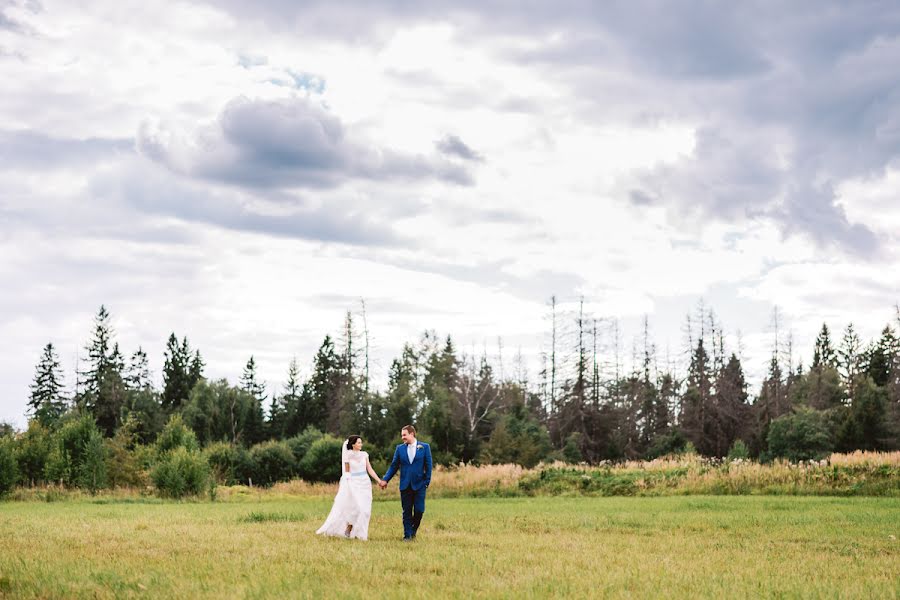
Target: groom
x=413 y=458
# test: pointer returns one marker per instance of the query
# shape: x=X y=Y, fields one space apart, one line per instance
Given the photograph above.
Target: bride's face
x=357 y=445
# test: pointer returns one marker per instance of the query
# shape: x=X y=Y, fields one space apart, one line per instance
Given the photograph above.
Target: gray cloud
x=453 y=146
x=287 y=143
x=813 y=81
x=10 y=24
x=154 y=192
x=36 y=150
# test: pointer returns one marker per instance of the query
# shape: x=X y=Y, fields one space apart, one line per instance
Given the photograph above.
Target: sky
x=245 y=173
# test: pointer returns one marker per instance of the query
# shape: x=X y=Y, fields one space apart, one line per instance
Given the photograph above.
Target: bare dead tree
x=475 y=393
x=553 y=406
x=595 y=369
x=362 y=302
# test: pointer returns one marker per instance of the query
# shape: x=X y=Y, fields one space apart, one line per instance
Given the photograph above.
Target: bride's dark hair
x=352 y=440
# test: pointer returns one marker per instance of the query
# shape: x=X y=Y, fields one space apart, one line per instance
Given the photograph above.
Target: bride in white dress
x=352 y=508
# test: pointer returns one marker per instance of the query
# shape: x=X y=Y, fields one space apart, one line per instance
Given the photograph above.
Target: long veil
x=345 y=456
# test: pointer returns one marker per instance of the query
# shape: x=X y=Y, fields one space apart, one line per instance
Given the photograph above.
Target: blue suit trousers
x=413 y=502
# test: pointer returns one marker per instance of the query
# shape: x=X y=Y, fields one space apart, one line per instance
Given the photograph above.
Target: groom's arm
x=427 y=465
x=395 y=463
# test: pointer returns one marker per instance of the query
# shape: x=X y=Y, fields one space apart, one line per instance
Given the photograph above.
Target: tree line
x=583 y=405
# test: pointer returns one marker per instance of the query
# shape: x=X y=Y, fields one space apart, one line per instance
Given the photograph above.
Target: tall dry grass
x=861 y=457
x=857 y=473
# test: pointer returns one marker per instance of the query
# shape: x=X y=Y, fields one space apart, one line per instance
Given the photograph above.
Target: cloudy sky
x=244 y=172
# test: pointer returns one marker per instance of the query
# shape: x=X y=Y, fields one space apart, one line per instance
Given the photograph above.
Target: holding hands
x=382 y=483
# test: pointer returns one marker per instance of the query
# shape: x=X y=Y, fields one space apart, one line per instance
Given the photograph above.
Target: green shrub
x=9 y=471
x=323 y=460
x=33 y=452
x=739 y=450
x=91 y=472
x=572 y=449
x=517 y=438
x=802 y=435
x=274 y=461
x=176 y=435
x=668 y=444
x=231 y=464
x=72 y=445
x=302 y=442
x=124 y=458
x=181 y=472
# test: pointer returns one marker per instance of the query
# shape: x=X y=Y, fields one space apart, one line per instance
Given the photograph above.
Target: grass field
x=698 y=546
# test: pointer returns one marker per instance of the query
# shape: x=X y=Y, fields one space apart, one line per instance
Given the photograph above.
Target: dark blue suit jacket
x=415 y=475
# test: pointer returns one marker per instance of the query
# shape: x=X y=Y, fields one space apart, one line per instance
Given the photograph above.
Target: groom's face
x=405 y=436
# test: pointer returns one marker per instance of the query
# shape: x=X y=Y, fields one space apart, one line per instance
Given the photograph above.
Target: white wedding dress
x=353 y=503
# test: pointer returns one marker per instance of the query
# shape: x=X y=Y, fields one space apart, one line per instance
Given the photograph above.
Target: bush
x=572 y=449
x=668 y=444
x=274 y=462
x=124 y=458
x=802 y=435
x=231 y=464
x=739 y=450
x=9 y=471
x=71 y=446
x=92 y=470
x=33 y=452
x=302 y=442
x=517 y=438
x=176 y=435
x=181 y=472
x=323 y=460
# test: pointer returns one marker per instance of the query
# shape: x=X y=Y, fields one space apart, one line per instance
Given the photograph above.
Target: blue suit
x=415 y=477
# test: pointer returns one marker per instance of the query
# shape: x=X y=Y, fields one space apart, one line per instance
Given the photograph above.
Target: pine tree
x=99 y=363
x=47 y=403
x=181 y=372
x=138 y=373
x=880 y=358
x=850 y=359
x=254 y=429
x=731 y=406
x=320 y=390
x=111 y=400
x=290 y=401
x=347 y=413
x=824 y=353
x=195 y=372
x=439 y=414
x=103 y=390
x=696 y=405
x=402 y=400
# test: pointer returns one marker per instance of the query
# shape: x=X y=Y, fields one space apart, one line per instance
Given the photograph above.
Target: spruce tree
x=881 y=357
x=102 y=392
x=824 y=353
x=47 y=403
x=254 y=427
x=181 y=372
x=98 y=359
x=320 y=392
x=850 y=359
x=138 y=374
x=290 y=401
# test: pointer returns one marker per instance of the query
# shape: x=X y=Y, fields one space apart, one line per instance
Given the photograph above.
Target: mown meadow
x=551 y=541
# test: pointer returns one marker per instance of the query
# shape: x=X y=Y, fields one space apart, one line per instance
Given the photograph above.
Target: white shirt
x=411 y=451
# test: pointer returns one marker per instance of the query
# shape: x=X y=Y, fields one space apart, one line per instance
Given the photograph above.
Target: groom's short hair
x=410 y=429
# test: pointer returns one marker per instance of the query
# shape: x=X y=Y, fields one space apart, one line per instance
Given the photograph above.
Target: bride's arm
x=371 y=471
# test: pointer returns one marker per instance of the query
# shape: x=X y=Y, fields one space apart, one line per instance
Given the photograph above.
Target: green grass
x=688 y=547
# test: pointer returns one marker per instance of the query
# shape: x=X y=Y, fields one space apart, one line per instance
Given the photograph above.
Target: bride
x=349 y=516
